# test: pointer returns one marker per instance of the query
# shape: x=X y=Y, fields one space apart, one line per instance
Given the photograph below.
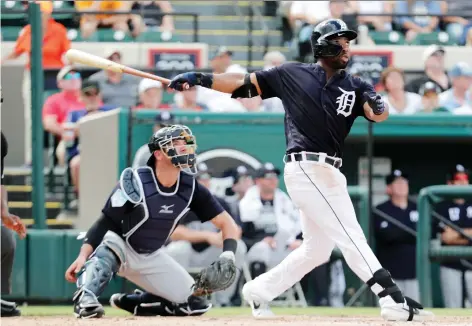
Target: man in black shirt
x=321 y=102
x=137 y=220
x=10 y=223
x=396 y=248
x=459 y=212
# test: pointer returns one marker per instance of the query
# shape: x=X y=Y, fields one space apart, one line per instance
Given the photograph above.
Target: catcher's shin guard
x=92 y=281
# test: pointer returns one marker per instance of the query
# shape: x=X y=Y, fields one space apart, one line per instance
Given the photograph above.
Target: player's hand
x=271 y=241
x=375 y=102
x=14 y=223
x=75 y=268
x=295 y=244
x=186 y=80
x=215 y=239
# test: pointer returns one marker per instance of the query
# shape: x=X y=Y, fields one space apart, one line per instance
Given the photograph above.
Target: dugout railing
x=428 y=250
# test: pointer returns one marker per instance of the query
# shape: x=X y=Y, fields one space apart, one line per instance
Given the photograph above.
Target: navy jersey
x=460 y=215
x=396 y=248
x=126 y=215
x=318 y=113
x=4 y=150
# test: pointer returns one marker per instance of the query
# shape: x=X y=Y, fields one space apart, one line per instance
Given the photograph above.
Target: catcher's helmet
x=181 y=156
x=324 y=32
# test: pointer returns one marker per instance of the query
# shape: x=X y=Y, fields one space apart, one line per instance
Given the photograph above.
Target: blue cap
x=461 y=69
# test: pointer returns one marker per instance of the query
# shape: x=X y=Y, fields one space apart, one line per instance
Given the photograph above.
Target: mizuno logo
x=166 y=209
x=339 y=34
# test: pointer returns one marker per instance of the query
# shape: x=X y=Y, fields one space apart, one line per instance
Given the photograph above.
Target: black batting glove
x=376 y=103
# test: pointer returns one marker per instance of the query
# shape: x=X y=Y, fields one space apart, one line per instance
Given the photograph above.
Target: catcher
x=138 y=218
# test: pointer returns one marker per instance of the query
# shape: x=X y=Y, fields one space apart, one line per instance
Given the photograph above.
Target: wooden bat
x=77 y=56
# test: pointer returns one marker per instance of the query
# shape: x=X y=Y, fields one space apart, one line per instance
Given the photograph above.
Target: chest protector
x=161 y=211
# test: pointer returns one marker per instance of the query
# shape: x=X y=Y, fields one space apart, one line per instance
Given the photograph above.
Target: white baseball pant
x=328 y=219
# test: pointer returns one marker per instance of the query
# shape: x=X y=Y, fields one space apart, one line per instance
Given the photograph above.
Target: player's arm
x=240 y=85
x=452 y=237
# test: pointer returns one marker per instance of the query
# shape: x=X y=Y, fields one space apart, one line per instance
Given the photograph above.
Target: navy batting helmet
x=183 y=155
x=324 y=32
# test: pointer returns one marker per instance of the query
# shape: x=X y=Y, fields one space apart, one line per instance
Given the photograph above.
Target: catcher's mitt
x=216 y=277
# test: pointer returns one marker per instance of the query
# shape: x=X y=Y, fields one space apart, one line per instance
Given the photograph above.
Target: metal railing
x=255 y=11
x=75 y=13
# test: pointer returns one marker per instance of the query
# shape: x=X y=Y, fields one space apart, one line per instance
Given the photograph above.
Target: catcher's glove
x=216 y=277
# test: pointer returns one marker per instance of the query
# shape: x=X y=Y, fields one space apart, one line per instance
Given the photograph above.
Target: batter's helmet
x=324 y=32
x=181 y=156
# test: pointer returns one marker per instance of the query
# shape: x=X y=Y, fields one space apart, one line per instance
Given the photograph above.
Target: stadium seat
x=152 y=36
x=387 y=38
x=62 y=5
x=13 y=5
x=10 y=33
x=110 y=35
x=167 y=98
x=440 y=38
x=74 y=35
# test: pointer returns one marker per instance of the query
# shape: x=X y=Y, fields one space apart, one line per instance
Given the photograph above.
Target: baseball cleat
x=9 y=309
x=84 y=311
x=409 y=310
x=260 y=308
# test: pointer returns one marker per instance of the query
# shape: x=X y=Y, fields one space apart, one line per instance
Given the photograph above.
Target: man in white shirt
x=459 y=95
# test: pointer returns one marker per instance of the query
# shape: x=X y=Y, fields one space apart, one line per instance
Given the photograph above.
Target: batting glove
x=376 y=103
x=191 y=79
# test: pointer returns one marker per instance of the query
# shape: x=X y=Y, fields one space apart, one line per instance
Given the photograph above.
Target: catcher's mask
x=178 y=144
x=323 y=34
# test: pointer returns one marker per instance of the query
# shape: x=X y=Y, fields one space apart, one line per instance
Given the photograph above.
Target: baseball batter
x=321 y=102
x=137 y=220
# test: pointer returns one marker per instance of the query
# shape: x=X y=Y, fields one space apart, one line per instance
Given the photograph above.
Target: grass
x=236 y=311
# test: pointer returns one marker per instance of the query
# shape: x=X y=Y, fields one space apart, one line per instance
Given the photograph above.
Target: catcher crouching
x=138 y=218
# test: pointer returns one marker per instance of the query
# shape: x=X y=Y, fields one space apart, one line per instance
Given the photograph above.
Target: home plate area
x=227 y=321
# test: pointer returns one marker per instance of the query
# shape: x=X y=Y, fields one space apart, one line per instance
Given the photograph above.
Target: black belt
x=297 y=157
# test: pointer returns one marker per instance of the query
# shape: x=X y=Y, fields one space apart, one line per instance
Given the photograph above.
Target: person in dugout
x=459 y=212
x=396 y=248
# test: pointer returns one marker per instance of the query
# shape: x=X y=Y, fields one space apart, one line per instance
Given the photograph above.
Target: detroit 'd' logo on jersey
x=345 y=102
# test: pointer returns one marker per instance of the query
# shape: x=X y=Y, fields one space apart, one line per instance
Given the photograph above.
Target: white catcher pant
x=328 y=219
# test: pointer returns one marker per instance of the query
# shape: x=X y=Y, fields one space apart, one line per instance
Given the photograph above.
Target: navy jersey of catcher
x=148 y=225
x=318 y=113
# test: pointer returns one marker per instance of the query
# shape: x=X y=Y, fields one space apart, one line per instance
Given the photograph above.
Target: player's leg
x=337 y=286
x=315 y=250
x=410 y=288
x=181 y=251
x=96 y=274
x=451 y=286
x=8 y=309
x=320 y=191
x=468 y=285
x=167 y=286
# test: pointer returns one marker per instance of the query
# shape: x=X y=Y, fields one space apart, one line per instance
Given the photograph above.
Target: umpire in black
x=10 y=223
x=396 y=248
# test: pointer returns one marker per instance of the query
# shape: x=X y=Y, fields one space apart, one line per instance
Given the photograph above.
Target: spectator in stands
x=242 y=181
x=151 y=21
x=399 y=101
x=273 y=59
x=57 y=106
x=459 y=95
x=187 y=101
x=222 y=62
x=430 y=98
x=459 y=212
x=90 y=22
x=377 y=23
x=117 y=89
x=396 y=247
x=150 y=94
x=460 y=28
x=143 y=154
x=92 y=99
x=55 y=44
x=414 y=25
x=434 y=70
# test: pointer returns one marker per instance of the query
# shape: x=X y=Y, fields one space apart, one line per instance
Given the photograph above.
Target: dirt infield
x=233 y=321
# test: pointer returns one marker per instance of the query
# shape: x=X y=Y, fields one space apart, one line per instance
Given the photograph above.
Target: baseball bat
x=88 y=59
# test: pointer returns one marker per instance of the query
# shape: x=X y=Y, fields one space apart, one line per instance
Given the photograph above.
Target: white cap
x=430 y=50
x=146 y=84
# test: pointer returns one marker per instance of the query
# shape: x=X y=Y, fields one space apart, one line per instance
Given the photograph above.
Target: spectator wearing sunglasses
x=57 y=106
